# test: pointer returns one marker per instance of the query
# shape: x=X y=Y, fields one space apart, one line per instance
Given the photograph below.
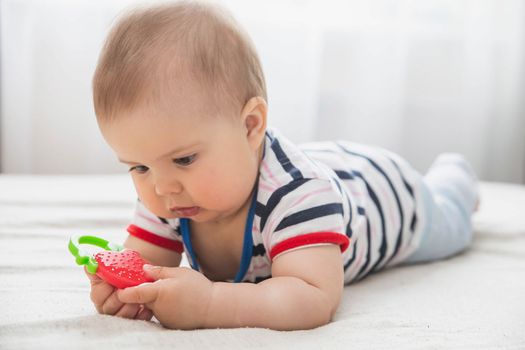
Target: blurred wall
x=417 y=77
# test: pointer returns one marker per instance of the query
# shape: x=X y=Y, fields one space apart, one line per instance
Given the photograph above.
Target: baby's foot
x=452 y=173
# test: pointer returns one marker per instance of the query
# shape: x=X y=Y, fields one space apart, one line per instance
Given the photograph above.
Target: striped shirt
x=365 y=199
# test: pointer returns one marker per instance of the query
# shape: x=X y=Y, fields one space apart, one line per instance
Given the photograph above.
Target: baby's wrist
x=222 y=307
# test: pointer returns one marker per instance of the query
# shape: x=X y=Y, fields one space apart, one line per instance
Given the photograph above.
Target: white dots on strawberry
x=121 y=269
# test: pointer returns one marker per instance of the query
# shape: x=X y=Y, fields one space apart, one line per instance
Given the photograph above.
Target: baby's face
x=184 y=163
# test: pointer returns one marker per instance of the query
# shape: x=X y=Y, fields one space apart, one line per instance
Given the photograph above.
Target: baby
x=272 y=231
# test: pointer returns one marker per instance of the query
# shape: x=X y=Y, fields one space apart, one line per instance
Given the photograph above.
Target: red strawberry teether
x=120 y=268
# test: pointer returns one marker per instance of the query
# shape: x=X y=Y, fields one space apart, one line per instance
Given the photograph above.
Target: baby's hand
x=104 y=297
x=179 y=297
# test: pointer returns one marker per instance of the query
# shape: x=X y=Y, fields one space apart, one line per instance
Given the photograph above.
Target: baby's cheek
x=217 y=194
x=224 y=186
x=152 y=202
x=155 y=208
x=214 y=196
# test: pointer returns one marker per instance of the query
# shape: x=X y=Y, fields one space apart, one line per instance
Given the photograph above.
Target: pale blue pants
x=450 y=194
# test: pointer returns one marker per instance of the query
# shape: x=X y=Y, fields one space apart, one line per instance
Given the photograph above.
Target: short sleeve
x=150 y=228
x=313 y=213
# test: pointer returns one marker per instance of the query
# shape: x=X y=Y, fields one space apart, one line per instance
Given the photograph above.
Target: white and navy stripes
x=364 y=199
x=386 y=192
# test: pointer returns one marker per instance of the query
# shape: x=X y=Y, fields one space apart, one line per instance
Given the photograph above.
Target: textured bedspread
x=473 y=301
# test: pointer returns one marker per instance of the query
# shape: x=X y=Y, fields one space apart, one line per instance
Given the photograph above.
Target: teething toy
x=120 y=268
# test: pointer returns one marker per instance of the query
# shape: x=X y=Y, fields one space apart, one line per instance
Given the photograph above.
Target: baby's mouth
x=185 y=211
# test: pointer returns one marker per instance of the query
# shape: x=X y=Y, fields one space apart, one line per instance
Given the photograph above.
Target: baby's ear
x=254 y=120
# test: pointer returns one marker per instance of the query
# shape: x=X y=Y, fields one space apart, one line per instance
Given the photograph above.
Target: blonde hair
x=152 y=51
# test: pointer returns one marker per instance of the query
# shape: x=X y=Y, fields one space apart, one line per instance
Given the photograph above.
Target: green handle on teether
x=82 y=258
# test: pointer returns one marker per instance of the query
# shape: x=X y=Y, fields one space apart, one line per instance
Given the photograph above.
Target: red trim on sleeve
x=311 y=238
x=155 y=239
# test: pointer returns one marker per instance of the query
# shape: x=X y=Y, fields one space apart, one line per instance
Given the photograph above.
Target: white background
x=417 y=77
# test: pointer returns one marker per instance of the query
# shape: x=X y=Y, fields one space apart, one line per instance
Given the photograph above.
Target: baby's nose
x=168 y=187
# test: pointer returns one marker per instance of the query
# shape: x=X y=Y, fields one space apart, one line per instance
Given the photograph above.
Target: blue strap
x=247 y=249
x=247 y=244
x=185 y=230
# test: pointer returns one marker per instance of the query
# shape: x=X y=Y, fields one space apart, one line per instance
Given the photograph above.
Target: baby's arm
x=304 y=292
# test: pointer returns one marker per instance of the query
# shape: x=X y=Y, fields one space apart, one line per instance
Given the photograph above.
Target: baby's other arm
x=154 y=254
x=304 y=292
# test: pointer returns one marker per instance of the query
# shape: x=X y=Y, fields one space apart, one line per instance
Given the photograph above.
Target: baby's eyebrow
x=176 y=150
x=126 y=161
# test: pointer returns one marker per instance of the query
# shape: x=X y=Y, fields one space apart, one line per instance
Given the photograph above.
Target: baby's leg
x=451 y=195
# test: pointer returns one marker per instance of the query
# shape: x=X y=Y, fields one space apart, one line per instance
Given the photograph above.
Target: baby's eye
x=141 y=169
x=185 y=161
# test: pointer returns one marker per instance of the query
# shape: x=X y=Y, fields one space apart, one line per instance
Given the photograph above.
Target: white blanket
x=472 y=301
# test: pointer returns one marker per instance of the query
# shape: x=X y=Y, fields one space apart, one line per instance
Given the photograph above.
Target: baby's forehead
x=186 y=101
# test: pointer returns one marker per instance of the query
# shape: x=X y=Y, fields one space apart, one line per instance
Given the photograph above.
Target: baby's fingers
x=144 y=314
x=112 y=305
x=129 y=311
x=100 y=292
x=142 y=294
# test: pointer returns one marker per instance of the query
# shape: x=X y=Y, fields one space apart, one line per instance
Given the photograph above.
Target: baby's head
x=153 y=53
x=180 y=96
